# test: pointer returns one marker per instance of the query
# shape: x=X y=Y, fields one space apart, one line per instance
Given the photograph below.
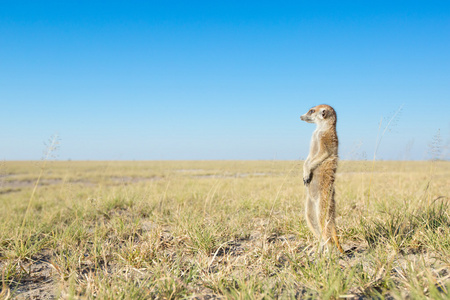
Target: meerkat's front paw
x=307 y=176
x=306 y=181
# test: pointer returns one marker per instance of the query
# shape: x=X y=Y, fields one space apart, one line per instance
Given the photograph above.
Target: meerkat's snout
x=309 y=116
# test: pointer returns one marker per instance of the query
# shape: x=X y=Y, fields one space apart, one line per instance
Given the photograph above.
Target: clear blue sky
x=150 y=80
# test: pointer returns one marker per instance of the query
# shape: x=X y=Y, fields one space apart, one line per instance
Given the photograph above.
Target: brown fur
x=319 y=174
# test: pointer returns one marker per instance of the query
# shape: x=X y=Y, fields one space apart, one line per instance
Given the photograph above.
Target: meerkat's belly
x=323 y=177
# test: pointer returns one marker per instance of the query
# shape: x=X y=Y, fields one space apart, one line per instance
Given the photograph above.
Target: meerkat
x=319 y=172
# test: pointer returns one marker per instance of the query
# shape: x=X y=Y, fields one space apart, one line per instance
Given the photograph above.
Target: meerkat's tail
x=336 y=240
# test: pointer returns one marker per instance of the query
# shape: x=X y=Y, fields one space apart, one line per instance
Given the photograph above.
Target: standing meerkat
x=319 y=174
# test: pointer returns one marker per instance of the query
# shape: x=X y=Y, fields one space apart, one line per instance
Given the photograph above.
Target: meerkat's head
x=320 y=114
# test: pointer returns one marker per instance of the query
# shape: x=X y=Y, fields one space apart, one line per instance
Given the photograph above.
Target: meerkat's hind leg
x=311 y=216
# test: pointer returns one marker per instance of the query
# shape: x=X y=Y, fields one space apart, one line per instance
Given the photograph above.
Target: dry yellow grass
x=220 y=229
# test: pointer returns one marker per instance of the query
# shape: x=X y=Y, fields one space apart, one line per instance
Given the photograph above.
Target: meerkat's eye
x=311 y=111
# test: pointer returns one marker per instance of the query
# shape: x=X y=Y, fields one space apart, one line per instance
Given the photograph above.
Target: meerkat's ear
x=324 y=113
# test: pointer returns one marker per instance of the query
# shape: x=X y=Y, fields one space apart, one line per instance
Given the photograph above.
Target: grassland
x=220 y=229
